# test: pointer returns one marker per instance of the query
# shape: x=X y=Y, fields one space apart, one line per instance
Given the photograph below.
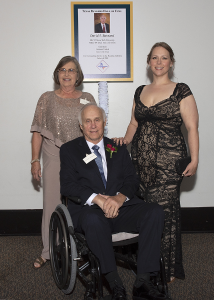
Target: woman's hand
x=190 y=169
x=119 y=140
x=36 y=170
x=36 y=147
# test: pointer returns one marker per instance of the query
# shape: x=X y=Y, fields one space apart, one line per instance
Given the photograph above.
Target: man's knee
x=158 y=209
x=151 y=213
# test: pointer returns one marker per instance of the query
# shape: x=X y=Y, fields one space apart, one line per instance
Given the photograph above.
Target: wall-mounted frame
x=104 y=54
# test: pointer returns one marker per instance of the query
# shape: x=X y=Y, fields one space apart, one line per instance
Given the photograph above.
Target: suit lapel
x=109 y=160
x=84 y=149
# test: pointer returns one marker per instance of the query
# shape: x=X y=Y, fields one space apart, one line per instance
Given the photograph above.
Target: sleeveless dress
x=157 y=144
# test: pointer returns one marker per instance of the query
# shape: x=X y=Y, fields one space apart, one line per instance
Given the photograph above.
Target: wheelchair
x=69 y=250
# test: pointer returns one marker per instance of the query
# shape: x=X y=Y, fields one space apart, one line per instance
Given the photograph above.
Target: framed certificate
x=102 y=39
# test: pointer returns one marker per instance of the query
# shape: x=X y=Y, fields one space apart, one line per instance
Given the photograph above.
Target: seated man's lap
x=130 y=218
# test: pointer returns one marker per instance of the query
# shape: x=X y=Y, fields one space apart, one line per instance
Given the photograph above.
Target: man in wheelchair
x=105 y=180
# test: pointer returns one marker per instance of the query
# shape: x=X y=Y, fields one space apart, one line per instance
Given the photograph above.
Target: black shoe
x=118 y=292
x=147 y=291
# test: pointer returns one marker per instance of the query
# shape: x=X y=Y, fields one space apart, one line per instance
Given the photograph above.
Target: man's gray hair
x=90 y=104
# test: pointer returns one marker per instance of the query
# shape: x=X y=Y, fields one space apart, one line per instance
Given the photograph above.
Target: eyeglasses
x=70 y=71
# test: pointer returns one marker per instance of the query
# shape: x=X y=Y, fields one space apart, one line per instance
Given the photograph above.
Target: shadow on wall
x=36 y=184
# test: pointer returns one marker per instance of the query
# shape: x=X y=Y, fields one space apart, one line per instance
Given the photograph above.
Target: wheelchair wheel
x=62 y=250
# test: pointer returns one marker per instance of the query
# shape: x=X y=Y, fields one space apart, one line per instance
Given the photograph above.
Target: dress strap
x=138 y=92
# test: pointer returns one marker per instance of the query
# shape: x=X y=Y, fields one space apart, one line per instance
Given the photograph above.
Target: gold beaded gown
x=157 y=144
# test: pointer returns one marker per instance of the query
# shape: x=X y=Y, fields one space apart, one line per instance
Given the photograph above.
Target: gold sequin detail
x=56 y=118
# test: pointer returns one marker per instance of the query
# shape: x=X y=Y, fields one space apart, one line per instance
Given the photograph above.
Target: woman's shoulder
x=88 y=96
x=45 y=97
x=140 y=87
x=182 y=85
x=183 y=90
x=138 y=92
x=48 y=93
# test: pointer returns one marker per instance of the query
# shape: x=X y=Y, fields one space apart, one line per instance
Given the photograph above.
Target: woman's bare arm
x=189 y=114
x=36 y=147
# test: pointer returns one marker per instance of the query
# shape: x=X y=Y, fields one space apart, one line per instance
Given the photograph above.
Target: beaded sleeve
x=57 y=118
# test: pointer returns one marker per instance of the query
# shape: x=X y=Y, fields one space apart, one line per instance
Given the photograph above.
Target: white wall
x=34 y=35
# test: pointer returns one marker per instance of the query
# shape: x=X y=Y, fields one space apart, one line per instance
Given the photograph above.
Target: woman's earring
x=148 y=67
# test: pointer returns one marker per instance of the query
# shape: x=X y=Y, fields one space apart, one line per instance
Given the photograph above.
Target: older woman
x=55 y=123
x=159 y=109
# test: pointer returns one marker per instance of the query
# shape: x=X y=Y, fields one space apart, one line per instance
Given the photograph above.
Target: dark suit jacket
x=98 y=28
x=80 y=179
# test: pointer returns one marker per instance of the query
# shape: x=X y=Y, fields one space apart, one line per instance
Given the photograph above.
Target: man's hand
x=112 y=204
x=99 y=200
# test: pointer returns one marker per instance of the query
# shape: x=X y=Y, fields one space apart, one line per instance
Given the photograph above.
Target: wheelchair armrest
x=75 y=199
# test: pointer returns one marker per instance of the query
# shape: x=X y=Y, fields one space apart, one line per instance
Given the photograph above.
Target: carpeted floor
x=19 y=281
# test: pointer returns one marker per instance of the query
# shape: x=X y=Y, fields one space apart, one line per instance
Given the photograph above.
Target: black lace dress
x=157 y=144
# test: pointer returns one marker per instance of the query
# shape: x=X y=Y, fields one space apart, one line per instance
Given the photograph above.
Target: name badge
x=84 y=101
x=89 y=157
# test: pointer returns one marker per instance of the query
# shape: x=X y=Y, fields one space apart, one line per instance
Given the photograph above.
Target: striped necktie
x=99 y=163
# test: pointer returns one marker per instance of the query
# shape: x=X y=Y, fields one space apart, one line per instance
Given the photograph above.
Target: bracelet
x=34 y=160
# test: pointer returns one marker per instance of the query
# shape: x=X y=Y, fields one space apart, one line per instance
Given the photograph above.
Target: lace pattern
x=157 y=144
